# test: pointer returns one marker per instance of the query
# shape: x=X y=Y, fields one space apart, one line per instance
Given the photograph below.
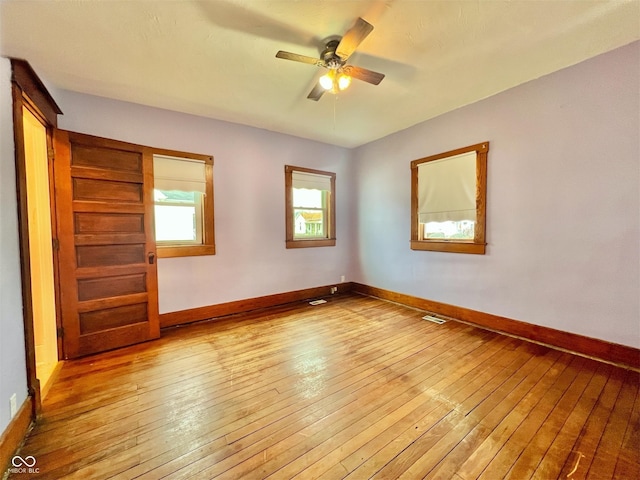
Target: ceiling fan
x=334 y=58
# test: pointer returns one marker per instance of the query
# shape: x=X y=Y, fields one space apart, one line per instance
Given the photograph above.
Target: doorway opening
x=43 y=298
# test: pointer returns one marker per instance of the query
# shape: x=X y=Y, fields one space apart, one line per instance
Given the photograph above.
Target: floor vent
x=433 y=319
x=317 y=302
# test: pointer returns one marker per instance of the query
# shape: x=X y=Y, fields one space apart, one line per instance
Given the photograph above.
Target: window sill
x=185 y=250
x=451 y=247
x=330 y=242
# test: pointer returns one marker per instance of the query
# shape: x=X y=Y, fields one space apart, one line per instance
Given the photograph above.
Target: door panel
x=100 y=190
x=104 y=204
x=95 y=321
x=109 y=255
x=109 y=223
x=113 y=160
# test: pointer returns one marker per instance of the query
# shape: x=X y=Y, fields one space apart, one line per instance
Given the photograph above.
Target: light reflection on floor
x=310 y=364
x=313 y=376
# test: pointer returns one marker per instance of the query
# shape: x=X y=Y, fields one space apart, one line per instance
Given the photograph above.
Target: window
x=183 y=198
x=448 y=198
x=310 y=207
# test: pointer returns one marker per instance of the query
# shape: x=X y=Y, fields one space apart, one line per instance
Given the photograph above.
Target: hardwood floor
x=355 y=388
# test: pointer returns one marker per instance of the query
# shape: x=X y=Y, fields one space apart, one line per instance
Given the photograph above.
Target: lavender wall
x=251 y=258
x=13 y=374
x=563 y=207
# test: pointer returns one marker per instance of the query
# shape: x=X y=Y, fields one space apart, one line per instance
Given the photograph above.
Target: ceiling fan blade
x=354 y=36
x=316 y=93
x=300 y=58
x=363 y=74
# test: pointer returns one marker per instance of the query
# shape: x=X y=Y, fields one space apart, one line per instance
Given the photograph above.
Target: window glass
x=309 y=213
x=183 y=197
x=448 y=198
x=178 y=216
x=309 y=207
x=449 y=229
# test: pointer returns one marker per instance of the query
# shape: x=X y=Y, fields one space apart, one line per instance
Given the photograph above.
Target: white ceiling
x=217 y=58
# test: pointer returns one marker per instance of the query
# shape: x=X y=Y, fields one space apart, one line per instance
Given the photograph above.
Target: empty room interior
x=320 y=239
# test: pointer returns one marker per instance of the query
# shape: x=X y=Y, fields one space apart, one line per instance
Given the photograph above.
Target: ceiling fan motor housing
x=331 y=60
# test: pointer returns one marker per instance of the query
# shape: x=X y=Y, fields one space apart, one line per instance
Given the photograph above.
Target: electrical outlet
x=13 y=401
x=342 y=278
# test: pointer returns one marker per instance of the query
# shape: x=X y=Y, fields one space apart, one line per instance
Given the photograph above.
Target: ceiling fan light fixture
x=343 y=81
x=334 y=82
x=326 y=80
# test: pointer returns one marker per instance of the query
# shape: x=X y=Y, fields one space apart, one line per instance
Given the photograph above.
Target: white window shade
x=447 y=189
x=182 y=174
x=311 y=181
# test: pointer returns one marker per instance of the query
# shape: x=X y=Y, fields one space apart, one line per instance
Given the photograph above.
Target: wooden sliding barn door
x=104 y=210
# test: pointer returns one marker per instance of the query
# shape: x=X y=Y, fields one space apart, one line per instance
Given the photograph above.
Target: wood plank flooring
x=355 y=388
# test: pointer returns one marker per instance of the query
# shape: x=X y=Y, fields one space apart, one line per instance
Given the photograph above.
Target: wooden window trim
x=478 y=244
x=208 y=232
x=292 y=242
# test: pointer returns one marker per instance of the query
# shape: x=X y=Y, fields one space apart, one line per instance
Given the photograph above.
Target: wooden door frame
x=29 y=91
